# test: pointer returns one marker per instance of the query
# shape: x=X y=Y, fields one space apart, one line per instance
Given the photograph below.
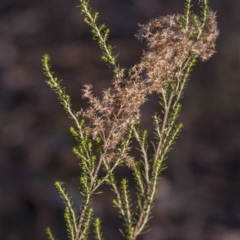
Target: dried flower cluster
x=168 y=47
x=118 y=109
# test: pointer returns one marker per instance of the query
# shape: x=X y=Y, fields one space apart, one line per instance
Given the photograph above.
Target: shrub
x=105 y=130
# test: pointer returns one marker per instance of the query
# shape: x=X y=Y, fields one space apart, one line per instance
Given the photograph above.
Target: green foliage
x=189 y=18
x=94 y=153
x=187 y=12
x=49 y=234
x=97 y=229
x=69 y=214
x=100 y=34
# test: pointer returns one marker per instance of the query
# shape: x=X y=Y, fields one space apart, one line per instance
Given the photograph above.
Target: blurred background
x=199 y=193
